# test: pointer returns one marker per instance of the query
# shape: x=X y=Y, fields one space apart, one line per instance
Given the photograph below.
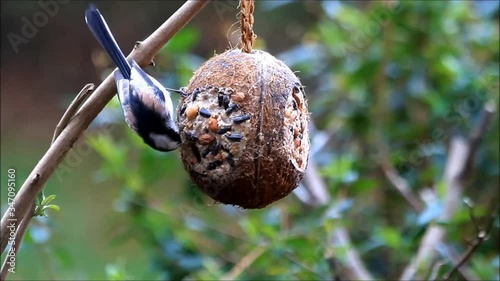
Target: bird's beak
x=180 y=91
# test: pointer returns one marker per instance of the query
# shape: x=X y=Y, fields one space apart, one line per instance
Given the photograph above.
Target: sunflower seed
x=225 y=102
x=241 y=119
x=195 y=93
x=214 y=164
x=196 y=152
x=205 y=113
x=216 y=149
x=223 y=130
x=183 y=109
x=232 y=107
x=234 y=137
x=206 y=152
x=220 y=99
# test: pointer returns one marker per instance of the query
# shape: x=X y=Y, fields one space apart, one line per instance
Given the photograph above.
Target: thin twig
x=435 y=270
x=481 y=236
x=402 y=185
x=16 y=245
x=23 y=225
x=244 y=263
x=291 y=257
x=378 y=114
x=453 y=257
x=473 y=219
x=448 y=252
x=315 y=187
x=457 y=166
x=332 y=264
x=477 y=135
x=73 y=107
x=318 y=196
x=89 y=110
x=352 y=265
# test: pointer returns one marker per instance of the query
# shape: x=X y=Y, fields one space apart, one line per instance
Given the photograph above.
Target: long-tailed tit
x=145 y=102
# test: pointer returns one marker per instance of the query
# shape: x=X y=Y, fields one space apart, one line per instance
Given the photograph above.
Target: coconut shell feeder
x=243 y=122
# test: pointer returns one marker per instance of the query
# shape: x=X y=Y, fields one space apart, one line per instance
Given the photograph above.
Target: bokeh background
x=389 y=84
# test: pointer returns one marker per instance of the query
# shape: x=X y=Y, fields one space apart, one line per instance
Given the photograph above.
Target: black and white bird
x=146 y=104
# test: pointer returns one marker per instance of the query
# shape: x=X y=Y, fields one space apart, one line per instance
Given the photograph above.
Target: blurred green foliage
x=382 y=77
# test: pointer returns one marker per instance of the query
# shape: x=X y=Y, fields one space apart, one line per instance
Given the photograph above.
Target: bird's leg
x=137 y=45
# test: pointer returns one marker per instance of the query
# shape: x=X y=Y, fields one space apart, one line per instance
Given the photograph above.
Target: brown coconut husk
x=267 y=109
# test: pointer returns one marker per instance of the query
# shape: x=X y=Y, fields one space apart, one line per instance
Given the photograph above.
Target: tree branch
x=402 y=186
x=477 y=136
x=72 y=109
x=481 y=236
x=315 y=187
x=23 y=225
x=332 y=264
x=435 y=270
x=244 y=263
x=352 y=265
x=143 y=54
x=21 y=230
x=458 y=165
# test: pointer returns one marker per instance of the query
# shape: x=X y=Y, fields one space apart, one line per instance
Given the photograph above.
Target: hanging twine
x=246 y=24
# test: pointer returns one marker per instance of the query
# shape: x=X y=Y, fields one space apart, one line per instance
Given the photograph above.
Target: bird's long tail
x=101 y=31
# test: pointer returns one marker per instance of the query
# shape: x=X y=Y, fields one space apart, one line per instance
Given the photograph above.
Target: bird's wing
x=124 y=95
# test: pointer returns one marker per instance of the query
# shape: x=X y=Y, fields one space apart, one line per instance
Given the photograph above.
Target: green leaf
x=182 y=42
x=52 y=207
x=41 y=205
x=341 y=169
x=390 y=236
x=364 y=185
x=47 y=200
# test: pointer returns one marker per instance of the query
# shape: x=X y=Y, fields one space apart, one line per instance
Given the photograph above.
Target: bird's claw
x=137 y=45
